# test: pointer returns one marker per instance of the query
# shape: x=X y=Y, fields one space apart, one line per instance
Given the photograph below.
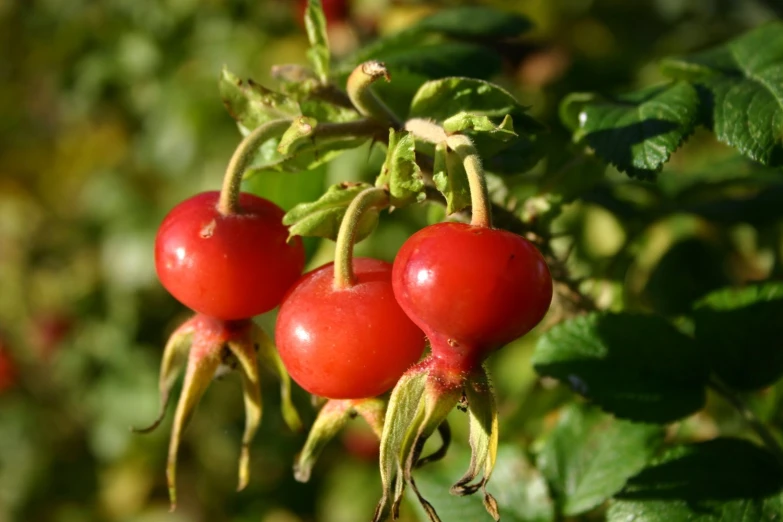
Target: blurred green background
x=110 y=115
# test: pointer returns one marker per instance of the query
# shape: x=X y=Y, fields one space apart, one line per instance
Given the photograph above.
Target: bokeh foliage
x=112 y=114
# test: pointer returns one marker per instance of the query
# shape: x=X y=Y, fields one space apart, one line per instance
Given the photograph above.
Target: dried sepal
x=373 y=412
x=418 y=406
x=483 y=440
x=330 y=420
x=205 y=358
x=174 y=358
x=245 y=353
x=267 y=353
x=444 y=430
x=402 y=409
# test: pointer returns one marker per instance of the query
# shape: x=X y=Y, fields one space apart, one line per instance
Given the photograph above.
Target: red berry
x=471 y=289
x=227 y=266
x=8 y=373
x=346 y=343
x=335 y=11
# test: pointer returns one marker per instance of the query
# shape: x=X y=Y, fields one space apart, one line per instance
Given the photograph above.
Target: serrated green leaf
x=318 y=54
x=636 y=366
x=470 y=22
x=743 y=87
x=637 y=132
x=589 y=456
x=450 y=179
x=251 y=104
x=441 y=99
x=518 y=487
x=400 y=173
x=741 y=331
x=476 y=22
x=322 y=218
x=741 y=510
x=716 y=481
x=436 y=60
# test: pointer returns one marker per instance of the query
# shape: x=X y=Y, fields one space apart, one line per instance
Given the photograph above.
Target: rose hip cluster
x=469 y=289
x=350 y=331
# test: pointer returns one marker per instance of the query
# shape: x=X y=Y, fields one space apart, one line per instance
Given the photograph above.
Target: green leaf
x=743 y=87
x=441 y=99
x=741 y=510
x=518 y=487
x=589 y=456
x=717 y=481
x=468 y=22
x=251 y=104
x=741 y=331
x=400 y=171
x=636 y=366
x=318 y=54
x=323 y=110
x=466 y=121
x=476 y=22
x=450 y=179
x=436 y=60
x=637 y=132
x=322 y=218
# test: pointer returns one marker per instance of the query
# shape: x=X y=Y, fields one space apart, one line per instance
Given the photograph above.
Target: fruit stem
x=750 y=417
x=362 y=97
x=426 y=130
x=376 y=197
x=481 y=205
x=243 y=155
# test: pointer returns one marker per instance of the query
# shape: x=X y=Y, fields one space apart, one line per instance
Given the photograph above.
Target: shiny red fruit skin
x=350 y=343
x=471 y=289
x=228 y=267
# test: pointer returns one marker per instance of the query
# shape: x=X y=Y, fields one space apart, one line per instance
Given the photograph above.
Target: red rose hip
x=346 y=343
x=228 y=266
x=471 y=289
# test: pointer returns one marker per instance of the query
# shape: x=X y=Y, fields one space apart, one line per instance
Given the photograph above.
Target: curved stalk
x=362 y=97
x=346 y=236
x=481 y=206
x=232 y=181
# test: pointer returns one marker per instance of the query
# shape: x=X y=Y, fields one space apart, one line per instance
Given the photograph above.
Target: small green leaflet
x=438 y=40
x=441 y=99
x=251 y=104
x=318 y=54
x=400 y=171
x=322 y=218
x=589 y=456
x=638 y=131
x=741 y=331
x=450 y=179
x=636 y=366
x=742 y=85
